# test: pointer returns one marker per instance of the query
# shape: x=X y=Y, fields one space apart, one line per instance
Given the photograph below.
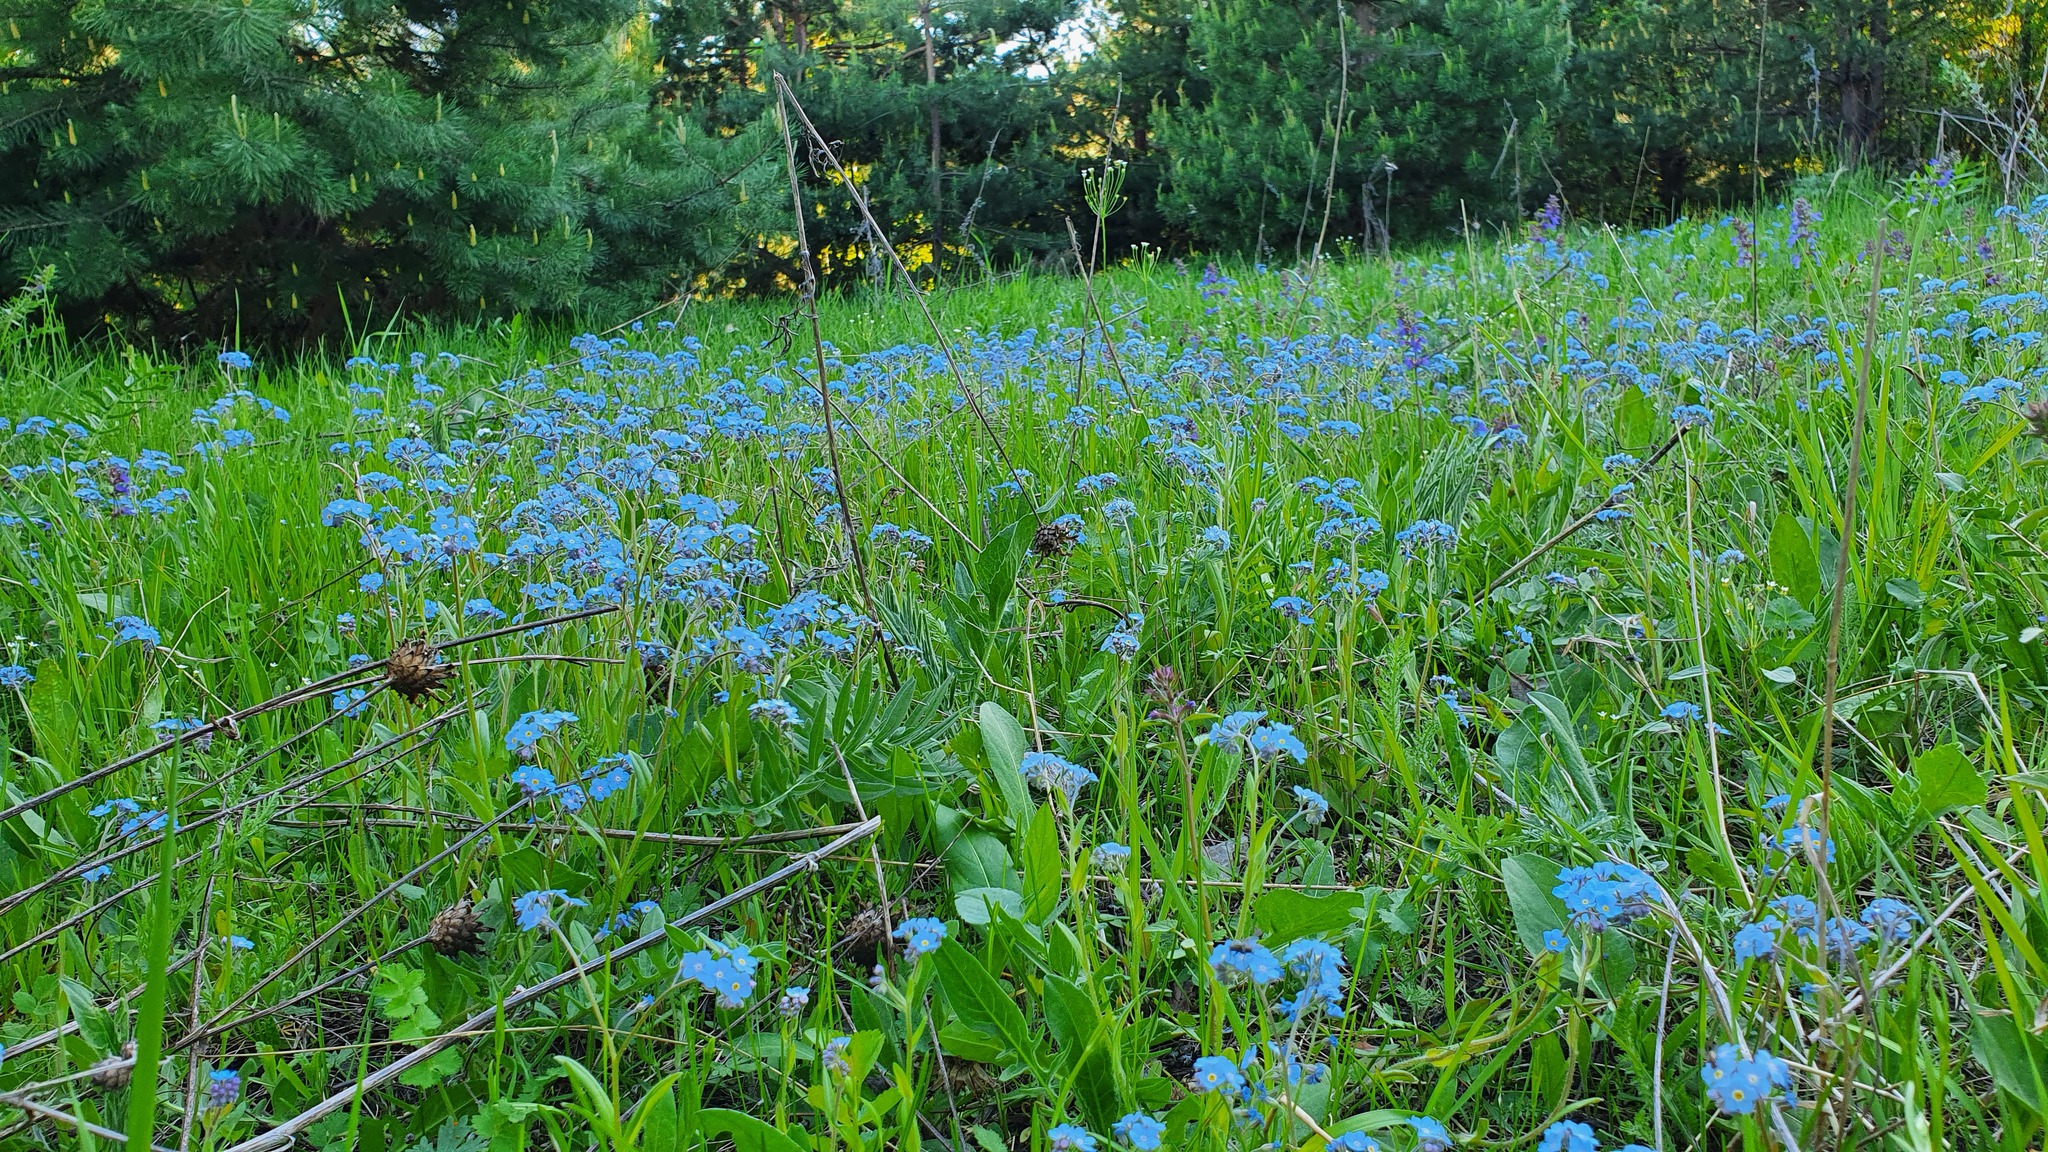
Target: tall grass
x=1532 y=545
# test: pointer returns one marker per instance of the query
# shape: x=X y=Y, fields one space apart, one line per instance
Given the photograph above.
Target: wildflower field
x=1370 y=706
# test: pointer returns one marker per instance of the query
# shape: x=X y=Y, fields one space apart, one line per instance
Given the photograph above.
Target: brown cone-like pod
x=1055 y=539
x=456 y=931
x=413 y=672
x=115 y=1072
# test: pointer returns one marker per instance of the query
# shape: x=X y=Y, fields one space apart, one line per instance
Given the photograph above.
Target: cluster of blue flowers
x=775 y=712
x=726 y=970
x=920 y=935
x=130 y=817
x=524 y=736
x=134 y=630
x=1607 y=894
x=535 y=910
x=1738 y=1084
x=1573 y=1136
x=1248 y=1082
x=1884 y=920
x=1055 y=773
x=1246 y=733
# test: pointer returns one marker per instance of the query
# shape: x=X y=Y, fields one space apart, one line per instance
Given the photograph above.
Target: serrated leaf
x=400 y=991
x=436 y=1069
x=1947 y=779
x=1784 y=614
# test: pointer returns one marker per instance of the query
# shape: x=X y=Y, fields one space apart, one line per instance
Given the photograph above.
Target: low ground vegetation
x=1371 y=705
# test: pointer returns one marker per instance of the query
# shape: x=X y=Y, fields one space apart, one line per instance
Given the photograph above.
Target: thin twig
x=479 y=1024
x=70 y=1026
x=230 y=723
x=860 y=202
x=335 y=786
x=809 y=298
x=1564 y=533
x=217 y=815
x=61 y=1117
x=361 y=909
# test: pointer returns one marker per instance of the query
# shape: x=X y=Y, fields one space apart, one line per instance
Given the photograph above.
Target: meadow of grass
x=1378 y=707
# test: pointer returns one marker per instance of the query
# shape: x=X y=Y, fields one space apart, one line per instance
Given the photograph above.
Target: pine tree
x=1707 y=103
x=1444 y=102
x=282 y=166
x=1141 y=74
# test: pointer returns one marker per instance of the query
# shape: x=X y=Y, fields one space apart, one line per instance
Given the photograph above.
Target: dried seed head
x=866 y=935
x=1056 y=538
x=115 y=1072
x=2037 y=418
x=456 y=931
x=413 y=671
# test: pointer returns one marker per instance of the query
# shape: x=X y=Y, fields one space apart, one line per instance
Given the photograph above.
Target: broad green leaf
x=1947 y=779
x=1635 y=419
x=959 y=1040
x=979 y=860
x=980 y=1002
x=1905 y=591
x=1285 y=915
x=2013 y=1058
x=93 y=1023
x=977 y=905
x=1793 y=563
x=1095 y=1088
x=996 y=568
x=1556 y=718
x=593 y=1094
x=1548 y=1070
x=1529 y=879
x=655 y=1119
x=1042 y=865
x=1004 y=743
x=1069 y=1015
x=1377 y=1120
x=748 y=1134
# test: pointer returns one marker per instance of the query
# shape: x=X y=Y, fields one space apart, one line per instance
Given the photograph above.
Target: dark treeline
x=289 y=167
